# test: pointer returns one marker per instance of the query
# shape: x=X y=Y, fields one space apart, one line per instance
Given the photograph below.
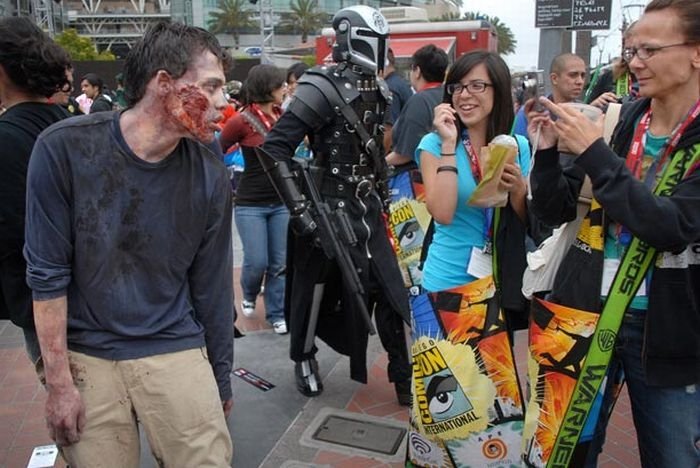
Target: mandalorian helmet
x=361 y=34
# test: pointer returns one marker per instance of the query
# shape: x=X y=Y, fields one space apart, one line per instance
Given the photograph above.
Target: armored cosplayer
x=340 y=260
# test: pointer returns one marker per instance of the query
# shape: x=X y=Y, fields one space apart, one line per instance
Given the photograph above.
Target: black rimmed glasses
x=474 y=87
x=646 y=52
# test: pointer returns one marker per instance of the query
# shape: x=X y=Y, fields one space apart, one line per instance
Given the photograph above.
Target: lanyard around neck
x=475 y=166
x=636 y=152
x=472 y=156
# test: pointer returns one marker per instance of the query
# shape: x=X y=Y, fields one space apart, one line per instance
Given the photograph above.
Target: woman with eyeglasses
x=618 y=84
x=469 y=298
x=477 y=106
x=648 y=184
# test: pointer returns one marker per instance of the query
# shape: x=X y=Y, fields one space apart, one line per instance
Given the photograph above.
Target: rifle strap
x=633 y=268
x=342 y=106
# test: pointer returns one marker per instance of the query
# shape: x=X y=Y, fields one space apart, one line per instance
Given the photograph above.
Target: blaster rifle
x=332 y=230
x=334 y=233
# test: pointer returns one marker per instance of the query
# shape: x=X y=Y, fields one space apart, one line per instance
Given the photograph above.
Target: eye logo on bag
x=443 y=379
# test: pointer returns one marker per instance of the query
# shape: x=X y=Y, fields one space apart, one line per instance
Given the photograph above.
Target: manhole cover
x=364 y=435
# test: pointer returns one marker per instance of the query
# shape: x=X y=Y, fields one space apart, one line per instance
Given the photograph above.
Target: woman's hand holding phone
x=444 y=122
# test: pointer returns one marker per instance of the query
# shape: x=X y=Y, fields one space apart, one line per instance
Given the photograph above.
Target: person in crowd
x=32 y=68
x=293 y=74
x=567 y=74
x=132 y=273
x=477 y=106
x=618 y=83
x=84 y=103
x=261 y=217
x=64 y=98
x=348 y=159
x=428 y=67
x=657 y=139
x=92 y=86
x=401 y=91
x=232 y=90
x=119 y=93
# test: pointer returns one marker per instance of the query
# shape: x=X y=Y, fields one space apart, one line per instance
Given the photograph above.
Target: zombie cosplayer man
x=129 y=258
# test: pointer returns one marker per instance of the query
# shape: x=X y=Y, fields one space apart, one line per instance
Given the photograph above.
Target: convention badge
x=43 y=456
x=480 y=263
x=610 y=267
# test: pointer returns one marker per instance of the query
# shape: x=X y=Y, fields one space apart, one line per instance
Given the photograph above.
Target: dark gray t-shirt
x=142 y=250
x=415 y=121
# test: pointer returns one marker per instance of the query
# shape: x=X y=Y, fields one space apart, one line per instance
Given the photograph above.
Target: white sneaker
x=248 y=308
x=280 y=327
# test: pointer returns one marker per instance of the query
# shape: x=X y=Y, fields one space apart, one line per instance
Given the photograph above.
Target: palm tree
x=306 y=17
x=506 y=39
x=232 y=18
x=450 y=16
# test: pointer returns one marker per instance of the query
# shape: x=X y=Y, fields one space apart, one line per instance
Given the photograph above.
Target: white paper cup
x=592 y=112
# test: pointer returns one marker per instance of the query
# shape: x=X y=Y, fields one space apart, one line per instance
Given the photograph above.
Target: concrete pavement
x=270 y=429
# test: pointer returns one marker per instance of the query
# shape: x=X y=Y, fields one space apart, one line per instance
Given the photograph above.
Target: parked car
x=253 y=51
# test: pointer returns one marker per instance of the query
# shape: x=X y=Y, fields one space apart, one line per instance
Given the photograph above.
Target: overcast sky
x=519 y=16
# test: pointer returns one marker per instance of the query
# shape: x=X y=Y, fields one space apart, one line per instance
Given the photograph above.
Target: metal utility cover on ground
x=364 y=435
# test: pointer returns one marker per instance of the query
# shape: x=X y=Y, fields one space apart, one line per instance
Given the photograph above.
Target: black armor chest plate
x=338 y=146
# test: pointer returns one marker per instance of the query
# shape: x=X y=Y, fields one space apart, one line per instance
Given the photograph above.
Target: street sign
x=553 y=13
x=591 y=14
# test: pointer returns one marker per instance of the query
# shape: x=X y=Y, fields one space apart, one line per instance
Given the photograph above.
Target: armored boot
x=307 y=377
x=403 y=392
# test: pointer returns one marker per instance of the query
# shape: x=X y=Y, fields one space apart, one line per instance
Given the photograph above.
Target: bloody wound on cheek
x=194 y=110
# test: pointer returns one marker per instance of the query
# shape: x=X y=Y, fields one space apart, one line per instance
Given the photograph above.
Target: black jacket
x=671 y=224
x=101 y=104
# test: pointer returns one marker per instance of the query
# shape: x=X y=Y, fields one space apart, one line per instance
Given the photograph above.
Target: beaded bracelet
x=447 y=169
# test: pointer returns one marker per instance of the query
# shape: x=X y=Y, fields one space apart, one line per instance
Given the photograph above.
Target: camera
x=533 y=87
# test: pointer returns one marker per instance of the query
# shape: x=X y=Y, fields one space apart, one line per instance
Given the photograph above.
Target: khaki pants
x=175 y=398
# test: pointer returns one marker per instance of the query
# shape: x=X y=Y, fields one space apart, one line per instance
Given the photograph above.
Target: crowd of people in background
x=96 y=275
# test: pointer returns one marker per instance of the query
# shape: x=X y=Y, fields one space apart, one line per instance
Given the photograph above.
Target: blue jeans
x=667 y=419
x=263 y=232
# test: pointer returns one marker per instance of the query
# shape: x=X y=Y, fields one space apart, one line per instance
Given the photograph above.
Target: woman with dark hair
x=617 y=84
x=261 y=218
x=32 y=68
x=472 y=275
x=91 y=85
x=478 y=105
x=648 y=185
x=293 y=74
